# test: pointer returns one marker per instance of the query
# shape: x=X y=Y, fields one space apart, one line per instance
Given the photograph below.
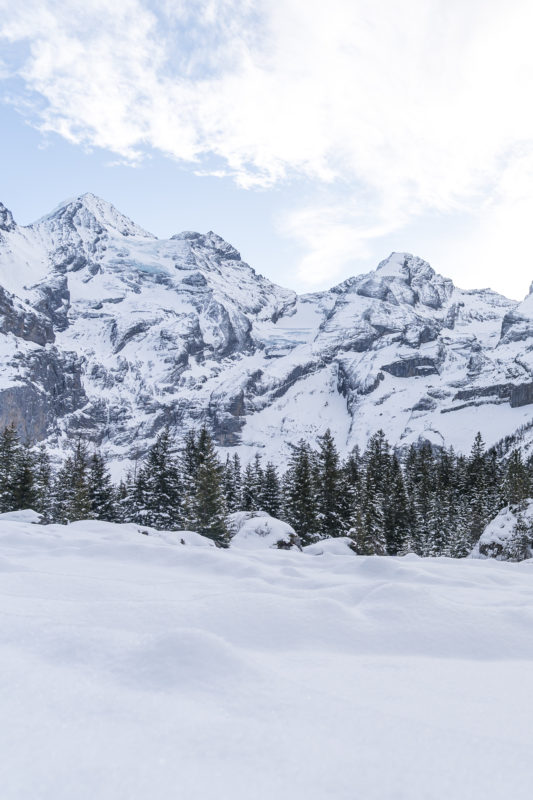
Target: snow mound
x=134 y=668
x=499 y=539
x=257 y=529
x=339 y=546
x=24 y=515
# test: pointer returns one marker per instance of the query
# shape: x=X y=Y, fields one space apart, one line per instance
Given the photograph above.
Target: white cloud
x=420 y=105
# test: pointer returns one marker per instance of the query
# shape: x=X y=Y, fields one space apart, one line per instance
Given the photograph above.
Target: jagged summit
x=93 y=213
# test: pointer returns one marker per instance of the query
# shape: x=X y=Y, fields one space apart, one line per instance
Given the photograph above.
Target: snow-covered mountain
x=108 y=330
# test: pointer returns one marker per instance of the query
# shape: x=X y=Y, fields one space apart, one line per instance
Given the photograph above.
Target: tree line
x=427 y=501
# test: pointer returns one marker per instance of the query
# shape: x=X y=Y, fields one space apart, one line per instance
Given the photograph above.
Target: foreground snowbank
x=132 y=667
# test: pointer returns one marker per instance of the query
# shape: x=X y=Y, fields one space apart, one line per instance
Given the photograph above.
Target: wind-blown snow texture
x=108 y=330
x=133 y=667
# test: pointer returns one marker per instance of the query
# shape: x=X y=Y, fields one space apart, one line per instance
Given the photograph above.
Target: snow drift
x=132 y=667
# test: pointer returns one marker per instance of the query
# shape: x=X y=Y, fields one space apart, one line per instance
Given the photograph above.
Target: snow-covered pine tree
x=188 y=465
x=161 y=486
x=249 y=498
x=350 y=488
x=128 y=498
x=237 y=481
x=102 y=495
x=477 y=490
x=9 y=458
x=376 y=484
x=423 y=491
x=330 y=518
x=300 y=494
x=516 y=486
x=271 y=502
x=397 y=517
x=210 y=506
x=517 y=547
x=259 y=477
x=43 y=482
x=230 y=493
x=71 y=488
x=24 y=489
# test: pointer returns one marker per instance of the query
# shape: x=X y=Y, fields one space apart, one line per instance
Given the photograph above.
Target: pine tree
x=423 y=490
x=230 y=493
x=258 y=478
x=517 y=547
x=210 y=507
x=397 y=517
x=9 y=459
x=249 y=499
x=516 y=481
x=43 y=485
x=129 y=499
x=102 y=495
x=350 y=489
x=71 y=492
x=377 y=468
x=188 y=463
x=24 y=488
x=300 y=494
x=328 y=488
x=161 y=486
x=237 y=481
x=271 y=491
x=478 y=490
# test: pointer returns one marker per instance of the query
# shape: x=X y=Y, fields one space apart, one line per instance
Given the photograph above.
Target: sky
x=315 y=137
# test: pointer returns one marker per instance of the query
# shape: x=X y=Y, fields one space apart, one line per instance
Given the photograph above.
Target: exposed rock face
x=106 y=329
x=6 y=219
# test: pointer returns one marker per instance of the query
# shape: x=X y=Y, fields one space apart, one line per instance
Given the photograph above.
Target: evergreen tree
x=102 y=495
x=43 y=485
x=372 y=538
x=249 y=489
x=330 y=518
x=516 y=480
x=9 y=460
x=478 y=490
x=517 y=547
x=158 y=486
x=188 y=463
x=423 y=491
x=210 y=507
x=350 y=488
x=24 y=489
x=271 y=491
x=237 y=481
x=258 y=478
x=397 y=517
x=230 y=495
x=71 y=493
x=300 y=494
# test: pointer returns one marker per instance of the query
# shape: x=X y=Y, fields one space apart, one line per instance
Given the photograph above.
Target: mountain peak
x=7 y=223
x=89 y=211
x=406 y=266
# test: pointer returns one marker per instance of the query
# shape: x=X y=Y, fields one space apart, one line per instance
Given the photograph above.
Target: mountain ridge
x=111 y=332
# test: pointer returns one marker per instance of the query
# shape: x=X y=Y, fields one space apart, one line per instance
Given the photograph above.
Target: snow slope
x=133 y=667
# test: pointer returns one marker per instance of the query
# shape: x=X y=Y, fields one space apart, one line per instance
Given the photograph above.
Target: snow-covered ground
x=134 y=667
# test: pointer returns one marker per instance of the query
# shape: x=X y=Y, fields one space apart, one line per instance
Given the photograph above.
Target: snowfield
x=133 y=666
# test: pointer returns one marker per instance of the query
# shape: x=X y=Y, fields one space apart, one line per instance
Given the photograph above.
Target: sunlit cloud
x=413 y=107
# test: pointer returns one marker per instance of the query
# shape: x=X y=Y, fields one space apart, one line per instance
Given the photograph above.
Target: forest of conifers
x=427 y=501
